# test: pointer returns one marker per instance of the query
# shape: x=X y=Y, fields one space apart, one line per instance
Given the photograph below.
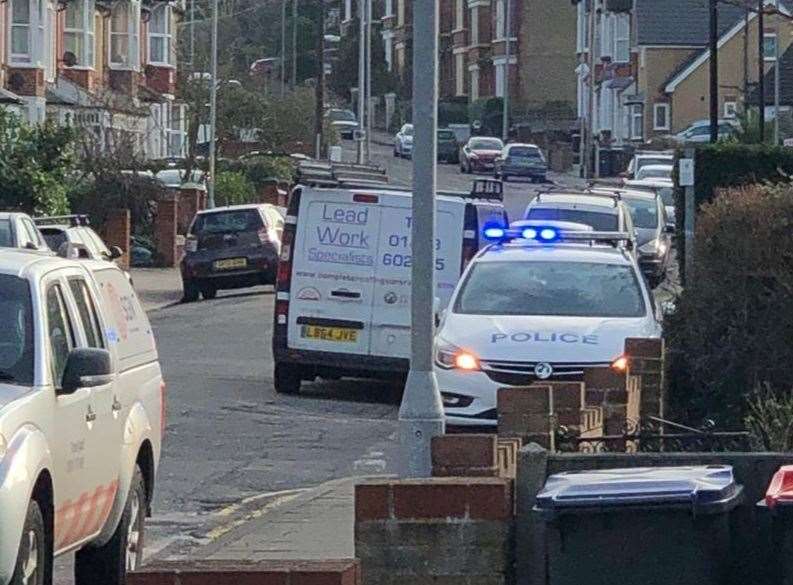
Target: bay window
x=124 y=35
x=21 y=22
x=30 y=29
x=78 y=35
x=160 y=38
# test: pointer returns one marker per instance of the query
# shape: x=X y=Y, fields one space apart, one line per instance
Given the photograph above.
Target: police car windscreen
x=54 y=237
x=16 y=334
x=644 y=212
x=601 y=222
x=6 y=237
x=563 y=289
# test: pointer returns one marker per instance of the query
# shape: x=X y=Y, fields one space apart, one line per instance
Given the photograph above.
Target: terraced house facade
x=107 y=67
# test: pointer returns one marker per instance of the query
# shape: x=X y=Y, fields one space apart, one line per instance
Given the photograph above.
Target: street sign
x=686 y=172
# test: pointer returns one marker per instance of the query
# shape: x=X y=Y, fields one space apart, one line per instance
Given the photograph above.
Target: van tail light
x=281 y=312
x=163 y=408
x=283 y=275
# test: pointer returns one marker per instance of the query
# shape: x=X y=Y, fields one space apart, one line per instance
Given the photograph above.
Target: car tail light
x=191 y=244
x=363 y=198
x=264 y=237
x=620 y=364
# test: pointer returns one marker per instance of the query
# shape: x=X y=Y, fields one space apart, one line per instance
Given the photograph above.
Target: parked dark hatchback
x=448 y=149
x=231 y=247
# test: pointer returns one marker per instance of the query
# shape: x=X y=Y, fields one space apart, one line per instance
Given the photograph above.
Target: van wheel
x=109 y=564
x=287 y=379
x=190 y=291
x=209 y=292
x=32 y=556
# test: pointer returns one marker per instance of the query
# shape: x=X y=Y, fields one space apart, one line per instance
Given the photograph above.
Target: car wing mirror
x=86 y=367
x=116 y=252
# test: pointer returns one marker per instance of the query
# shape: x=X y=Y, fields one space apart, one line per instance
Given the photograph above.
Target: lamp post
x=213 y=103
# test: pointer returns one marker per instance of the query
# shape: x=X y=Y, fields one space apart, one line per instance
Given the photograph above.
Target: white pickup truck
x=81 y=419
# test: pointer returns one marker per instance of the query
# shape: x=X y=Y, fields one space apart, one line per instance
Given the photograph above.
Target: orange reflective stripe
x=77 y=520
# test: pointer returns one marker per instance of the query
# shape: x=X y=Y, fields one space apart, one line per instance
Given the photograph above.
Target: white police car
x=546 y=301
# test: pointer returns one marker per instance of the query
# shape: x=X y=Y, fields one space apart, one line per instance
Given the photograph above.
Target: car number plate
x=230 y=263
x=337 y=334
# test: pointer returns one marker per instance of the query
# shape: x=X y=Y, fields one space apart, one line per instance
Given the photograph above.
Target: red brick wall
x=116 y=232
x=167 y=219
x=161 y=79
x=442 y=530
x=26 y=81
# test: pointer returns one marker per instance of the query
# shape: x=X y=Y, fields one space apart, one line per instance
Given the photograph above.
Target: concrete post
x=167 y=218
x=421 y=414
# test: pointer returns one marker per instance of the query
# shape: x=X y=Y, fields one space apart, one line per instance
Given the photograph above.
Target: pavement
x=157 y=288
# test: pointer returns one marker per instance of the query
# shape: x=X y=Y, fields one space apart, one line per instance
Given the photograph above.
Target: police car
x=81 y=419
x=545 y=301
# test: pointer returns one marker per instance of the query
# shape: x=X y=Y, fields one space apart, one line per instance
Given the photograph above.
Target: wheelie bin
x=641 y=526
x=776 y=514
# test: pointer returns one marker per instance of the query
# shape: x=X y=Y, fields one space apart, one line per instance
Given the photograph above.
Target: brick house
x=472 y=46
x=651 y=64
x=107 y=66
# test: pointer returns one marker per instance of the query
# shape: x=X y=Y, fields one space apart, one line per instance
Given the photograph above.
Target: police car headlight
x=451 y=357
x=653 y=248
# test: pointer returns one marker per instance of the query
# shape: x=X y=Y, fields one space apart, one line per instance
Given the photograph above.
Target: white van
x=82 y=414
x=343 y=290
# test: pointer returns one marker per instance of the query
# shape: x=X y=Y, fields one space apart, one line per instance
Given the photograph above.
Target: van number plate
x=329 y=333
x=230 y=264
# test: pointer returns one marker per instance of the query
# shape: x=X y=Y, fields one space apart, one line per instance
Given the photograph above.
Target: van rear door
x=391 y=314
x=333 y=272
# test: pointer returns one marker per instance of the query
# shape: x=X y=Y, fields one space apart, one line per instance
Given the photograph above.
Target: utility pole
x=192 y=34
x=361 y=78
x=761 y=69
x=421 y=414
x=213 y=107
x=368 y=79
x=294 y=44
x=595 y=139
x=714 y=71
x=507 y=47
x=776 y=75
x=320 y=87
x=283 y=48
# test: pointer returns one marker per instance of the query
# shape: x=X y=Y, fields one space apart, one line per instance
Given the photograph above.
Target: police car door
x=333 y=271
x=74 y=442
x=391 y=314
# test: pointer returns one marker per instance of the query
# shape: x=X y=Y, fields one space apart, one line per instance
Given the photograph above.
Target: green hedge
x=729 y=164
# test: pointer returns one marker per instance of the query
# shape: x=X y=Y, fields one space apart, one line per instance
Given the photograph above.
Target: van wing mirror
x=86 y=367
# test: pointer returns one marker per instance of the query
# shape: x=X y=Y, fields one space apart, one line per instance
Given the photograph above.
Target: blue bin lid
x=704 y=489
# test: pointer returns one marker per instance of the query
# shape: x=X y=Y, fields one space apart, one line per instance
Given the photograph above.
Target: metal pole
x=361 y=77
x=776 y=76
x=590 y=117
x=714 y=71
x=689 y=222
x=761 y=69
x=283 y=48
x=192 y=34
x=293 y=81
x=421 y=414
x=320 y=87
x=595 y=138
x=213 y=107
x=507 y=34
x=368 y=79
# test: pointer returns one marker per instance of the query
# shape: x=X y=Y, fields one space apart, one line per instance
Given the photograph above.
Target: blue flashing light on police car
x=495 y=233
x=549 y=235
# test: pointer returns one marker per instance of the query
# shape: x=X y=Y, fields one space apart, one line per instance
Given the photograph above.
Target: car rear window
x=524 y=152
x=647 y=161
x=654 y=173
x=54 y=237
x=6 y=235
x=238 y=220
x=644 y=212
x=16 y=335
x=563 y=289
x=445 y=134
x=601 y=222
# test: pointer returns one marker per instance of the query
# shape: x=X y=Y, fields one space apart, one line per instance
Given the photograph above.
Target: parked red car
x=479 y=154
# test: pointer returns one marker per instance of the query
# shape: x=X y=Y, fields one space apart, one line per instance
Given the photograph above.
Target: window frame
x=622 y=24
x=166 y=36
x=29 y=57
x=637 y=114
x=132 y=34
x=87 y=32
x=666 y=108
x=766 y=57
x=95 y=326
x=68 y=321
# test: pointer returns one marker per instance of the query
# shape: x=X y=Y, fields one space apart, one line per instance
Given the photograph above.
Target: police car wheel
x=32 y=555
x=287 y=378
x=123 y=553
